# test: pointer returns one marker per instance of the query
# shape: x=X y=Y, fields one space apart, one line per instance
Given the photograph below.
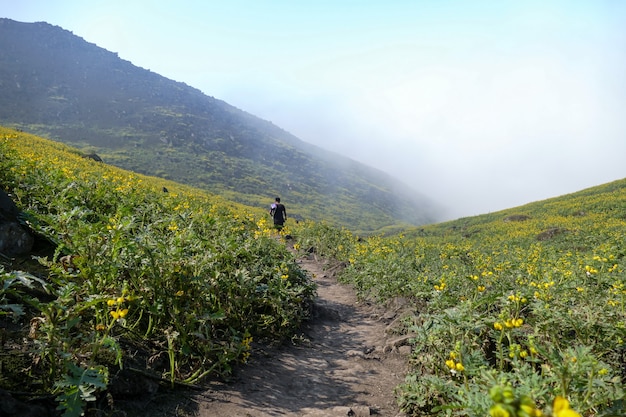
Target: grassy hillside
x=132 y=283
x=512 y=312
x=516 y=313
x=57 y=85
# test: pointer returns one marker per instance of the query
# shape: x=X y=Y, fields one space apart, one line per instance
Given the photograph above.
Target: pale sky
x=479 y=105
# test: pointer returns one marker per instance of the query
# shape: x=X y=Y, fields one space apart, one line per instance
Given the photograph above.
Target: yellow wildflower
x=529 y=410
x=560 y=408
x=119 y=314
x=499 y=411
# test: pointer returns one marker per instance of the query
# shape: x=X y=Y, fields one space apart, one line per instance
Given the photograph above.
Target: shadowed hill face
x=60 y=86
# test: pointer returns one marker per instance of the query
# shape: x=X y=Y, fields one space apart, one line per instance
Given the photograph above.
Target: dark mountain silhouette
x=62 y=87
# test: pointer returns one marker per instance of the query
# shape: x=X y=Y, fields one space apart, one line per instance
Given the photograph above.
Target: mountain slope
x=57 y=85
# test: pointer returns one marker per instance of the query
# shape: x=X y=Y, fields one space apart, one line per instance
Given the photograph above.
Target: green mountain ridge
x=57 y=85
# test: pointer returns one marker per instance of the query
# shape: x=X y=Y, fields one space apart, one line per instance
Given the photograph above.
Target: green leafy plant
x=531 y=297
x=79 y=387
x=182 y=273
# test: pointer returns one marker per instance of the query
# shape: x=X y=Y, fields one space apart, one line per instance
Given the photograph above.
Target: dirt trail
x=347 y=364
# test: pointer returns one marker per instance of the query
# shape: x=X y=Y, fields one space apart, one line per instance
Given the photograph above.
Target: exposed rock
x=550 y=233
x=405 y=350
x=339 y=411
x=404 y=340
x=94 y=156
x=360 y=411
x=516 y=218
x=15 y=240
x=10 y=406
x=8 y=209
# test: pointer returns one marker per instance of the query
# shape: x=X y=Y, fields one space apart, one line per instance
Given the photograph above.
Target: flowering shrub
x=500 y=302
x=179 y=274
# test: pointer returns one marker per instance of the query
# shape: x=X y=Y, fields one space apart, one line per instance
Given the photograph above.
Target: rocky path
x=347 y=363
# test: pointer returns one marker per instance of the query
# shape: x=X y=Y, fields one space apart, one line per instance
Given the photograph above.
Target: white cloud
x=479 y=105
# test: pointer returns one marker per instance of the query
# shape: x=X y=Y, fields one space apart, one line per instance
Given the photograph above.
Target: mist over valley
x=62 y=87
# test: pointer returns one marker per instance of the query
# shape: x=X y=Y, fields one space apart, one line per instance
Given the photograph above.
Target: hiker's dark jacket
x=279 y=213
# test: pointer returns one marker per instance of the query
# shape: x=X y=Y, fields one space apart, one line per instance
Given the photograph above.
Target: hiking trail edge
x=347 y=362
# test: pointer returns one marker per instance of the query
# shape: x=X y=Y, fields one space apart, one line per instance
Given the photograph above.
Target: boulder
x=94 y=157
x=8 y=209
x=15 y=240
x=516 y=218
x=10 y=407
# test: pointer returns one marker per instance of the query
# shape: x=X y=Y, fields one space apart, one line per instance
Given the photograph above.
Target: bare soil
x=347 y=362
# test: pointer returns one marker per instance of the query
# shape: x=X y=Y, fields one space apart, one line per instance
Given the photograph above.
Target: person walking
x=278 y=213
